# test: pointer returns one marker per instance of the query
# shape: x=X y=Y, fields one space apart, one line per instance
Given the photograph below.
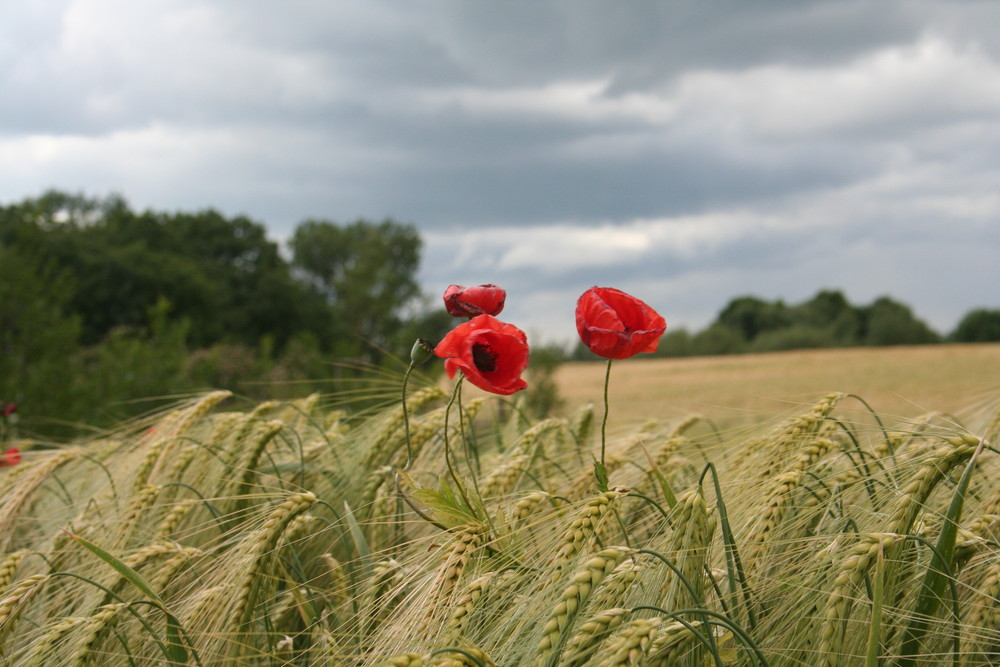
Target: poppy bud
x=463 y=301
x=421 y=351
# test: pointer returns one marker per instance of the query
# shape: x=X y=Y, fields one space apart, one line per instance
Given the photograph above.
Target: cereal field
x=846 y=514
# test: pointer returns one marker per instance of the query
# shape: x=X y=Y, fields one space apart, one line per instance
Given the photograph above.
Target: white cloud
x=931 y=79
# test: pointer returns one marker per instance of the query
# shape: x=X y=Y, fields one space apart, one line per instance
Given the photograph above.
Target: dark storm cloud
x=685 y=151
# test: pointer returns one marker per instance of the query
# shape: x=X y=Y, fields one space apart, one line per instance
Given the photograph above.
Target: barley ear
x=573 y=597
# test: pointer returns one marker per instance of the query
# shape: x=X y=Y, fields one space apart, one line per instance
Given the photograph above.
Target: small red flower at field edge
x=472 y=301
x=9 y=410
x=616 y=325
x=10 y=458
x=490 y=353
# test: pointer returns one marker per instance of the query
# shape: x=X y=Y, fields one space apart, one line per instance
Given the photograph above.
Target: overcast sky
x=686 y=152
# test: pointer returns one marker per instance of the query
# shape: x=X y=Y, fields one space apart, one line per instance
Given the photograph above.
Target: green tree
x=38 y=339
x=221 y=274
x=830 y=312
x=367 y=273
x=888 y=322
x=978 y=326
x=750 y=316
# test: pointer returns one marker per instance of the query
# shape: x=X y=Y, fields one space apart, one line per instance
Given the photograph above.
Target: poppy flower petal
x=616 y=325
x=490 y=353
x=461 y=301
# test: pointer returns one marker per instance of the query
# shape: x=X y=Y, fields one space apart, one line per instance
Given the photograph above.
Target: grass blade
x=175 y=652
x=875 y=628
x=937 y=576
x=668 y=493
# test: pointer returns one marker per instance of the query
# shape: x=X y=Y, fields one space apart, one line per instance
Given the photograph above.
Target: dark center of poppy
x=484 y=357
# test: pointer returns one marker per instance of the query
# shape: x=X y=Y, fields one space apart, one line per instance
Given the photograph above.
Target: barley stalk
x=981 y=624
x=852 y=571
x=177 y=514
x=93 y=631
x=140 y=503
x=384 y=591
x=259 y=547
x=405 y=660
x=476 y=658
x=670 y=643
x=681 y=427
x=142 y=475
x=524 y=507
x=776 y=502
x=504 y=477
x=422 y=431
x=16 y=600
x=466 y=605
x=137 y=560
x=8 y=568
x=912 y=498
x=632 y=643
x=613 y=590
x=168 y=571
x=590 y=635
x=27 y=482
x=583 y=526
x=335 y=579
x=776 y=447
x=582 y=426
x=200 y=409
x=45 y=651
x=573 y=597
x=389 y=437
x=267 y=431
x=463 y=544
x=694 y=529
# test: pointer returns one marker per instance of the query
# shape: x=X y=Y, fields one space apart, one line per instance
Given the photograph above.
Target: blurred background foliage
x=103 y=307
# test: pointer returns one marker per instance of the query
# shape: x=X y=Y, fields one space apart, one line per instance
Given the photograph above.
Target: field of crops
x=812 y=528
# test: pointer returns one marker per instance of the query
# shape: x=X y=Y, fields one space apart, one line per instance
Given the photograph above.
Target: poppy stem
x=471 y=459
x=604 y=421
x=447 y=446
x=406 y=418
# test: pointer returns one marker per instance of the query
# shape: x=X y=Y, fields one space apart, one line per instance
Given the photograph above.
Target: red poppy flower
x=471 y=301
x=616 y=325
x=490 y=353
x=10 y=458
x=9 y=410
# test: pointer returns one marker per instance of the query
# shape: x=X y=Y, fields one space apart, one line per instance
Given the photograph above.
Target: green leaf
x=175 y=652
x=601 y=473
x=127 y=572
x=668 y=493
x=875 y=627
x=938 y=573
x=447 y=506
x=360 y=543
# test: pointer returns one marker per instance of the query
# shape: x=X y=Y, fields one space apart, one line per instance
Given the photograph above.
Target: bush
x=794 y=338
x=978 y=326
x=718 y=339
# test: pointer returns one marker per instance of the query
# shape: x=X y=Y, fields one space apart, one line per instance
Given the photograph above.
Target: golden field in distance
x=903 y=382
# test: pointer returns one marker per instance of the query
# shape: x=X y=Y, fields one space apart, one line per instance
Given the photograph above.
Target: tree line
x=101 y=305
